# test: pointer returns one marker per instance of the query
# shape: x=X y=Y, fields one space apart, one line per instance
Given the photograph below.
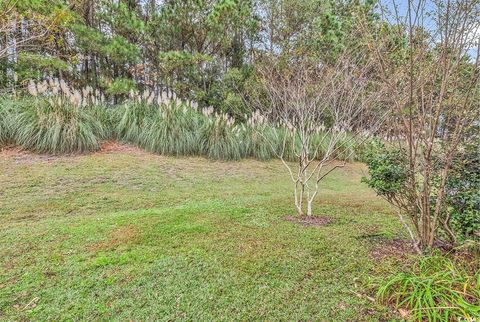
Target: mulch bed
x=308 y=221
x=113 y=146
x=392 y=248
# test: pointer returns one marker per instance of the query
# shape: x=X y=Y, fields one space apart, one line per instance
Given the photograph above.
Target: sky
x=429 y=22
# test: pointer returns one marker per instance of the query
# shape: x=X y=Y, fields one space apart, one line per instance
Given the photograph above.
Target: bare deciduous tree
x=429 y=64
x=323 y=108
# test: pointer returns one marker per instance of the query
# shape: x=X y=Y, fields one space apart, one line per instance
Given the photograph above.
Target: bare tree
x=323 y=108
x=429 y=64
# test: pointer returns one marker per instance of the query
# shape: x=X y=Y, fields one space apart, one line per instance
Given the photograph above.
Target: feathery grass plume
x=42 y=87
x=162 y=123
x=437 y=289
x=55 y=86
x=220 y=138
x=57 y=129
x=173 y=130
x=64 y=88
x=32 y=88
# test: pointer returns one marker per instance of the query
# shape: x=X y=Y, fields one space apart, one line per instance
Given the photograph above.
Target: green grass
x=133 y=120
x=260 y=143
x=220 y=141
x=131 y=235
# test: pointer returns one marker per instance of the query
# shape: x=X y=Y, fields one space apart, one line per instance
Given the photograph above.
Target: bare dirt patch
x=114 y=146
x=308 y=221
x=120 y=236
x=21 y=157
x=397 y=248
x=27 y=157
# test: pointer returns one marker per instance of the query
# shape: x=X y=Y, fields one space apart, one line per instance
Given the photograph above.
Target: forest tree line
x=204 y=50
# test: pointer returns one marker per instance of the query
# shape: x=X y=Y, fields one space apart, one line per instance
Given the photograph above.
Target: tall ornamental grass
x=173 y=130
x=343 y=148
x=6 y=122
x=56 y=128
x=55 y=120
x=259 y=140
x=108 y=116
x=220 y=139
x=133 y=118
x=58 y=119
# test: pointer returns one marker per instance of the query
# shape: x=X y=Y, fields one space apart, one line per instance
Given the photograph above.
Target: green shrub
x=437 y=289
x=463 y=191
x=47 y=127
x=387 y=170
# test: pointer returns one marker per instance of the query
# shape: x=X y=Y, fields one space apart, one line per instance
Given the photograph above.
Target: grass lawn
x=123 y=234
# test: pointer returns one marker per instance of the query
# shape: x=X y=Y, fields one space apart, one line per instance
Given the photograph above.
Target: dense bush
x=463 y=191
x=386 y=168
x=388 y=173
x=436 y=289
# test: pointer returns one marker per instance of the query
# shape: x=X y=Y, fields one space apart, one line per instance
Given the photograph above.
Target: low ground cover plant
x=437 y=288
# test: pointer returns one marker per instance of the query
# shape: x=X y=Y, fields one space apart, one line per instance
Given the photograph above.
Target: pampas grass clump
x=133 y=118
x=54 y=119
x=108 y=116
x=60 y=119
x=46 y=127
x=173 y=130
x=6 y=122
x=259 y=142
x=221 y=139
x=343 y=147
